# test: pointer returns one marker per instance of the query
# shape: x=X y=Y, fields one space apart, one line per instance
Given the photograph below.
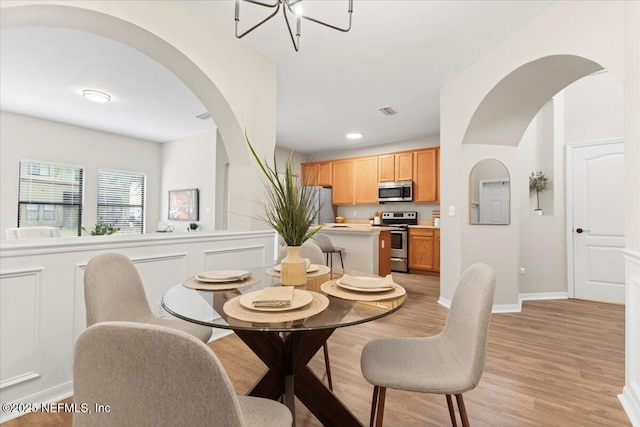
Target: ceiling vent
x=204 y=116
x=387 y=111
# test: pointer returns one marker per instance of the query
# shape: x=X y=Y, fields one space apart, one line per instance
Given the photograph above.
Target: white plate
x=311 y=269
x=300 y=299
x=223 y=276
x=353 y=288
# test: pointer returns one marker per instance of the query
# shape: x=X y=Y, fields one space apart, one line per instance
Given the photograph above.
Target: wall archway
x=136 y=26
x=505 y=112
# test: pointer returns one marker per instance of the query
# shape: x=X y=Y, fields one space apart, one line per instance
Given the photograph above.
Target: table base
x=288 y=375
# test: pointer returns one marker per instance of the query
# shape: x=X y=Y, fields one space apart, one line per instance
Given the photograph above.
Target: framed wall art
x=183 y=205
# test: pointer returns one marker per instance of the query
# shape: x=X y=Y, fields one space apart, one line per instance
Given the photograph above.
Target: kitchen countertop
x=355 y=228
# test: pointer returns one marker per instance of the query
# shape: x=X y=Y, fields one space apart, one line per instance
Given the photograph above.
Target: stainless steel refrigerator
x=325 y=212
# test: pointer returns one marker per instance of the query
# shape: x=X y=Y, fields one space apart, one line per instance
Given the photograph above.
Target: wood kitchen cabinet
x=342 y=179
x=316 y=173
x=424 y=250
x=384 y=253
x=366 y=180
x=309 y=173
x=426 y=176
x=395 y=167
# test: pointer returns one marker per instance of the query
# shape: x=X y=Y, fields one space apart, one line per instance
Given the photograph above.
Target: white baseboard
x=51 y=395
x=630 y=400
x=444 y=302
x=536 y=296
x=219 y=333
x=516 y=308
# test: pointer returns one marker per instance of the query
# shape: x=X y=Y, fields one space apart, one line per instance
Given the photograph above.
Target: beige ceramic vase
x=293 y=268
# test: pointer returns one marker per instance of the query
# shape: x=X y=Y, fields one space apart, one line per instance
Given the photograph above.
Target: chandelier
x=287 y=8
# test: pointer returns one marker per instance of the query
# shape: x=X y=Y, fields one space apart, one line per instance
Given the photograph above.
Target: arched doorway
x=502 y=119
x=196 y=67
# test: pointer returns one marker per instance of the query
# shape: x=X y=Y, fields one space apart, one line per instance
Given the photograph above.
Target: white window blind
x=50 y=195
x=121 y=200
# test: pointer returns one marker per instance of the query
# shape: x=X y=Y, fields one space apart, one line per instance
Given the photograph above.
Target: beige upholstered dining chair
x=113 y=291
x=312 y=251
x=327 y=248
x=149 y=375
x=449 y=363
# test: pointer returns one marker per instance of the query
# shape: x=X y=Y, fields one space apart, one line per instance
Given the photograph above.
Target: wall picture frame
x=183 y=205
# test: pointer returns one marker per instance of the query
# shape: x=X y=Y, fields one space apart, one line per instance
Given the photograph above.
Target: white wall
x=593 y=30
x=594 y=109
x=190 y=163
x=372 y=150
x=603 y=32
x=29 y=138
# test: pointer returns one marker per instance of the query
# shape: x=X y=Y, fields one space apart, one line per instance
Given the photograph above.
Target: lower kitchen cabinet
x=384 y=253
x=424 y=250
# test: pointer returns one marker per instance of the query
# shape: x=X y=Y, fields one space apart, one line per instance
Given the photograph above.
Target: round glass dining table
x=284 y=347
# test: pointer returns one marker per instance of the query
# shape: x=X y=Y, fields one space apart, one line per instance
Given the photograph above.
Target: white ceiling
x=398 y=54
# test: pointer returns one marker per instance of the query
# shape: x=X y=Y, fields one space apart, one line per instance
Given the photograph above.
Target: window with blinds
x=121 y=200
x=50 y=195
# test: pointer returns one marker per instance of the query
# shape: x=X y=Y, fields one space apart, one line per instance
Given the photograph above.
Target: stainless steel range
x=399 y=237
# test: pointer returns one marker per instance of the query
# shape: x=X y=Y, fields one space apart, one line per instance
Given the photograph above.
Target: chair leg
x=327 y=365
x=462 y=410
x=341 y=262
x=380 y=414
x=452 y=412
x=374 y=405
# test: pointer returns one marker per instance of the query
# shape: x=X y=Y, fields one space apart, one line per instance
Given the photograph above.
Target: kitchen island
x=367 y=248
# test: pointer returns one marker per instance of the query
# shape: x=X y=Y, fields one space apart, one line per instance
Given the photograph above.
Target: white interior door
x=598 y=222
x=494 y=202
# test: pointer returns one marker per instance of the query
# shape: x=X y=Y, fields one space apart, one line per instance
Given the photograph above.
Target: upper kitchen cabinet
x=366 y=180
x=309 y=172
x=342 y=178
x=324 y=174
x=395 y=167
x=316 y=173
x=425 y=176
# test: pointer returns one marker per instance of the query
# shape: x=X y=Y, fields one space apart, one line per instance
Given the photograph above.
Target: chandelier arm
x=261 y=3
x=290 y=3
x=344 y=30
x=293 y=40
x=237 y=18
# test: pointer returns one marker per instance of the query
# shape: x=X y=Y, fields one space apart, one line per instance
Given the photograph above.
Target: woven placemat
x=332 y=288
x=322 y=269
x=194 y=283
x=233 y=308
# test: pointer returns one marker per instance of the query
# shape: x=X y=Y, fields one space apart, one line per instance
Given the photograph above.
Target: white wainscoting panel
x=20 y=358
x=234 y=257
x=42 y=308
x=630 y=397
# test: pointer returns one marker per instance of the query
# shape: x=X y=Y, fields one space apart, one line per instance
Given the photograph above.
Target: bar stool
x=327 y=247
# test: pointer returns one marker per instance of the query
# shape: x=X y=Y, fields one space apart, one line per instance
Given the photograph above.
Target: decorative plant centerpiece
x=539 y=182
x=101 y=229
x=290 y=213
x=193 y=226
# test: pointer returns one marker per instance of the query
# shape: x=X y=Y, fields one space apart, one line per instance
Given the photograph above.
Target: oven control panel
x=405 y=218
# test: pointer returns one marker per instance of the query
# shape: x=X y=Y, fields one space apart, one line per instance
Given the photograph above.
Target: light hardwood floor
x=557 y=363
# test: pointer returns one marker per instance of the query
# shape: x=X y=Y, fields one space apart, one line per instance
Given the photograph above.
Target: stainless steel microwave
x=397 y=191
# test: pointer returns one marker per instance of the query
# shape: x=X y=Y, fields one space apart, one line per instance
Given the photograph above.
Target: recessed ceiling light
x=354 y=135
x=95 y=96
